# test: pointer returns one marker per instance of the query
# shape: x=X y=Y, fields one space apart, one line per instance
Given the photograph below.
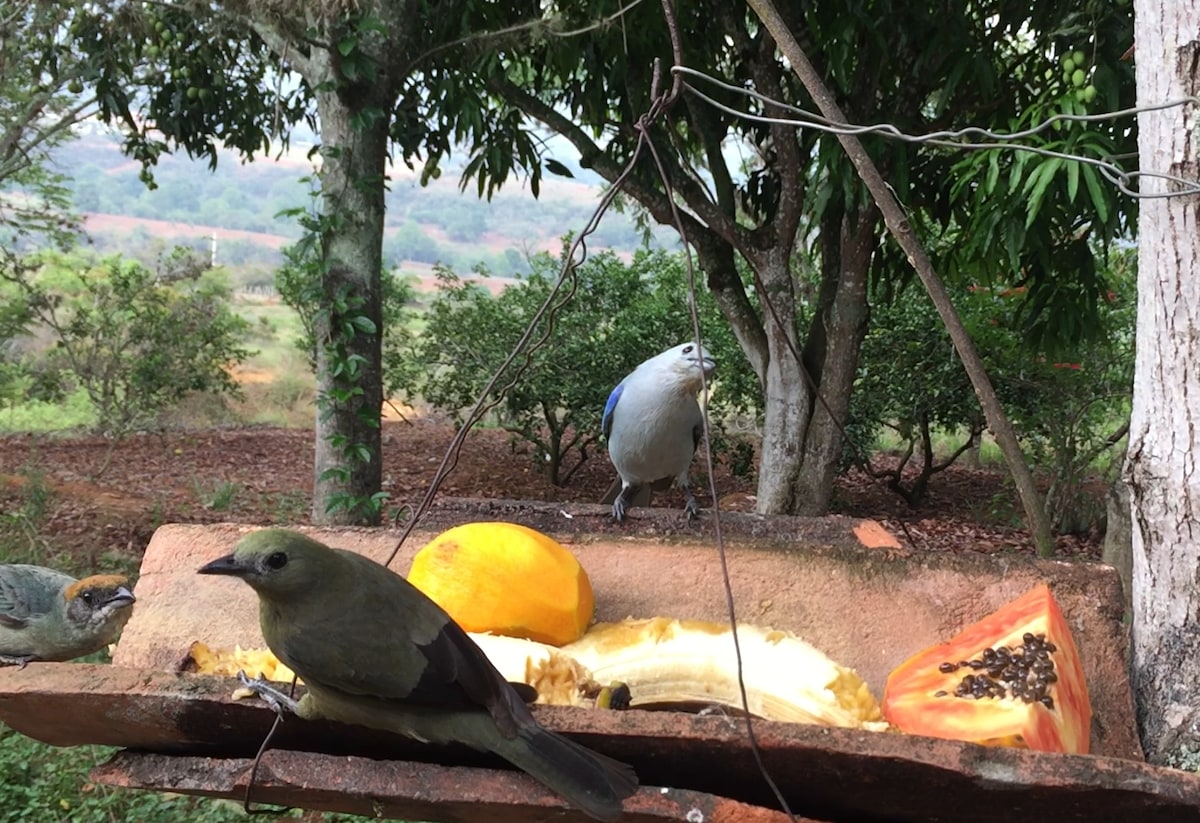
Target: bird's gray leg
x=622 y=502
x=16 y=660
x=689 y=503
x=274 y=698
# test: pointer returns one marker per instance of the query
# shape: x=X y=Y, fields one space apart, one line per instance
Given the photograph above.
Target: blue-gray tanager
x=653 y=425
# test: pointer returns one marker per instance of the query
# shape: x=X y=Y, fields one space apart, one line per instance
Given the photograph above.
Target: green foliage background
x=611 y=316
x=134 y=341
x=1069 y=403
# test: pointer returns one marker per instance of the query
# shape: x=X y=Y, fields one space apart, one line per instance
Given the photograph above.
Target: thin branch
x=542 y=26
x=278 y=42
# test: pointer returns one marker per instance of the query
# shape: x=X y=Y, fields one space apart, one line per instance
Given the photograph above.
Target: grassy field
x=277 y=381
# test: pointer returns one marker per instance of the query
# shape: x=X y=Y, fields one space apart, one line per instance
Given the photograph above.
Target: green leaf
x=1014 y=244
x=1095 y=191
x=1072 y=180
x=1018 y=169
x=555 y=167
x=364 y=324
x=993 y=173
x=373 y=24
x=1040 y=180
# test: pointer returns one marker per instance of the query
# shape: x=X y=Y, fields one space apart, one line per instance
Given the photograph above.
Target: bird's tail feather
x=588 y=780
x=641 y=495
x=614 y=489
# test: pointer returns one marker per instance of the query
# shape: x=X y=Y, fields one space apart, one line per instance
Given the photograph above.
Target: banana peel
x=658 y=662
x=692 y=662
x=560 y=679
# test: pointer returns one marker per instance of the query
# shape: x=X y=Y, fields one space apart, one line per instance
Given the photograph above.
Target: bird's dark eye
x=87 y=597
x=277 y=560
x=688 y=348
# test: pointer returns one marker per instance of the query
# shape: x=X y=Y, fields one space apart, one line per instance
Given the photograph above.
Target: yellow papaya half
x=506 y=579
x=1013 y=678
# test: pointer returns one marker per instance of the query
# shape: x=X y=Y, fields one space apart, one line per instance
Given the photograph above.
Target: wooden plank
x=827 y=774
x=405 y=790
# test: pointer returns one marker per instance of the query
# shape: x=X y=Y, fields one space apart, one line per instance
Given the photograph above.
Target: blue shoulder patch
x=607 y=419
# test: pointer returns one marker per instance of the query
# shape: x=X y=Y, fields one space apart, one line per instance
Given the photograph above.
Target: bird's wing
x=13 y=610
x=26 y=592
x=456 y=662
x=400 y=646
x=697 y=433
x=607 y=420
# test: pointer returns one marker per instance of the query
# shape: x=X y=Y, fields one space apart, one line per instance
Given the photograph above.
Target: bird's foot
x=621 y=504
x=618 y=510
x=690 y=506
x=625 y=500
x=20 y=661
x=274 y=698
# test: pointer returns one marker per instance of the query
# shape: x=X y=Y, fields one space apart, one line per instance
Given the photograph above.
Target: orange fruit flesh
x=506 y=579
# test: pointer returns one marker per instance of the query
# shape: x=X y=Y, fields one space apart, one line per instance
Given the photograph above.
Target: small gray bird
x=653 y=424
x=374 y=651
x=48 y=615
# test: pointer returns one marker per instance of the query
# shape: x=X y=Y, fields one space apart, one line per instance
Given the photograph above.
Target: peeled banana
x=203 y=659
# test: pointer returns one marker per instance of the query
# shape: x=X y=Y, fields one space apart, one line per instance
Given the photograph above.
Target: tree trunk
x=1118 y=538
x=801 y=443
x=787 y=397
x=842 y=320
x=1162 y=468
x=348 y=471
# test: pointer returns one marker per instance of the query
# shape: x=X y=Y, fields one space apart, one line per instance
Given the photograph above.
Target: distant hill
x=239 y=204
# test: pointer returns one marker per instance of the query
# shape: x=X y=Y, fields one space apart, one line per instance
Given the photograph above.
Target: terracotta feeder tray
x=842 y=584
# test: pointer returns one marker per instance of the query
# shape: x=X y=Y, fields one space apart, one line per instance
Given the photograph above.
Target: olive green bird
x=374 y=651
x=48 y=615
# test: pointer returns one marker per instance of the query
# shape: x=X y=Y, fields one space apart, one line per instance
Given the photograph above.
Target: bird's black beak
x=122 y=597
x=706 y=364
x=227 y=565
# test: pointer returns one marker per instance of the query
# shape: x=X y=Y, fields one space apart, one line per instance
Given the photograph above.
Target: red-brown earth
x=106 y=498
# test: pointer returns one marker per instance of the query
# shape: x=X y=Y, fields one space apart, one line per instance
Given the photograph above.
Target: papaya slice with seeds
x=1013 y=678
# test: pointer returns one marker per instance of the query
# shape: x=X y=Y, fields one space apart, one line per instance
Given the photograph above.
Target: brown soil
x=96 y=222
x=107 y=498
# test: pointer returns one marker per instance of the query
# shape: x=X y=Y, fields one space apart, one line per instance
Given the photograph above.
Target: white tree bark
x=787 y=395
x=1163 y=465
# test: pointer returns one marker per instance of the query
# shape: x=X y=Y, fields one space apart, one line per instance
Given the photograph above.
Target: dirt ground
x=108 y=498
